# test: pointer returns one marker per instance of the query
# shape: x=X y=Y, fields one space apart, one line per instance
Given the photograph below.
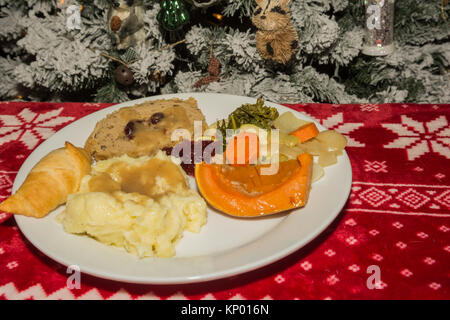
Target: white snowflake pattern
x=444 y=198
x=380 y=285
x=351 y=222
x=369 y=107
x=375 y=196
x=5 y=180
x=434 y=285
x=306 y=265
x=354 y=268
x=401 y=245
x=336 y=122
x=377 y=257
x=422 y=235
x=29 y=127
x=375 y=166
x=439 y=176
x=351 y=240
x=332 y=280
x=13 y=264
x=279 y=279
x=419 y=138
x=398 y=225
x=406 y=272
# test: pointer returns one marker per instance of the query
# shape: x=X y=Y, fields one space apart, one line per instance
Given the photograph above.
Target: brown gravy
x=140 y=179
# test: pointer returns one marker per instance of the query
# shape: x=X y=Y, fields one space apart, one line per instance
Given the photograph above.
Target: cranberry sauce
x=188 y=161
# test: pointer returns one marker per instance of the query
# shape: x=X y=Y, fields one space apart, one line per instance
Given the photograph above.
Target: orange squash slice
x=246 y=142
x=243 y=191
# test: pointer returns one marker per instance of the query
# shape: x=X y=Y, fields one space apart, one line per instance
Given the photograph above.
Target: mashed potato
x=142 y=204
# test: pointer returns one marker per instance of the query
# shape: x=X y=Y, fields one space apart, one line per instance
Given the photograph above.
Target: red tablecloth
x=397 y=217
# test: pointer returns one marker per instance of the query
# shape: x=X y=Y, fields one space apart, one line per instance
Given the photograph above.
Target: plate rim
x=215 y=275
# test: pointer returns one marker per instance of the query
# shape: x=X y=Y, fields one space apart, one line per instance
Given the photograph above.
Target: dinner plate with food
x=181 y=188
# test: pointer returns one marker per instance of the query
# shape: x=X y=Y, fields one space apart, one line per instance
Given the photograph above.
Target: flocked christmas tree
x=120 y=50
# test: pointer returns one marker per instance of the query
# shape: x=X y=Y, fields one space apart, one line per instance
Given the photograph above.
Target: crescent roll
x=49 y=183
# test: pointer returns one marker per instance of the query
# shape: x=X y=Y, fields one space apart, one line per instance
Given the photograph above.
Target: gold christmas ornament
x=276 y=38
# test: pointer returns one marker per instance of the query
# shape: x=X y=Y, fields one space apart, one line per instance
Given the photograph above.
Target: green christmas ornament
x=173 y=15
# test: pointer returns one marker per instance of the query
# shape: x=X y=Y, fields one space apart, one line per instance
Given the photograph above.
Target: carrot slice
x=243 y=149
x=306 y=132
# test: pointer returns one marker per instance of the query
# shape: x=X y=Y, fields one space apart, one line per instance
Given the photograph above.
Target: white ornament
x=374 y=20
x=379 y=28
x=74 y=18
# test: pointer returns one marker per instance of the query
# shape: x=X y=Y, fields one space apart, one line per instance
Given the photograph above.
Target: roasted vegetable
x=288 y=122
x=244 y=192
x=306 y=132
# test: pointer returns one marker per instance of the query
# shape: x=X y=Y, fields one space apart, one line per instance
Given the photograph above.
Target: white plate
x=225 y=246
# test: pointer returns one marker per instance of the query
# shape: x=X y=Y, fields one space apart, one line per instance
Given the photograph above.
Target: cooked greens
x=257 y=114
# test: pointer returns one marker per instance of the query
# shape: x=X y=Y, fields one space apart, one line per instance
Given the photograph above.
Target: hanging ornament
x=115 y=23
x=123 y=75
x=379 y=27
x=213 y=71
x=158 y=76
x=126 y=23
x=443 y=4
x=276 y=38
x=173 y=15
x=73 y=12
